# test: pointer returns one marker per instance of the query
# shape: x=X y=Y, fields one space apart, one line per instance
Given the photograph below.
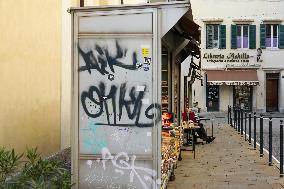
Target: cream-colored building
x=30 y=56
x=242 y=55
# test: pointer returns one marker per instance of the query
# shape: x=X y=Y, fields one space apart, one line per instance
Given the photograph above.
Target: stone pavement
x=227 y=163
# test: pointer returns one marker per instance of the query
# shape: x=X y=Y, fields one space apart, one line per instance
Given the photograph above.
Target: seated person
x=189 y=115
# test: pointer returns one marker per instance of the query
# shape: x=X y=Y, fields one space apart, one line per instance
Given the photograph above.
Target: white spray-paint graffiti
x=122 y=163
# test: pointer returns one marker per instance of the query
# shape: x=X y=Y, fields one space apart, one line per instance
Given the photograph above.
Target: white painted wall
x=227 y=11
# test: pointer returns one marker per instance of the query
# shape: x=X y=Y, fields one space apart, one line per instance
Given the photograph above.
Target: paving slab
x=229 y=162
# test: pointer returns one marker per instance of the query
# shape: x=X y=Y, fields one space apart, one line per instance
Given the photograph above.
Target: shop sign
x=241 y=65
x=233 y=83
x=227 y=58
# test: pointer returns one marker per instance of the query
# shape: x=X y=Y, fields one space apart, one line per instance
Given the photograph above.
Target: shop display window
x=243 y=96
x=165 y=82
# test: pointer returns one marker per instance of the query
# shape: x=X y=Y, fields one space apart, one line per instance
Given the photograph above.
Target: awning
x=187 y=28
x=184 y=30
x=232 y=77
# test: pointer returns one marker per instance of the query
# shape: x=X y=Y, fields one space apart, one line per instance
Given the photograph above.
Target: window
x=215 y=36
x=212 y=33
x=243 y=36
x=271 y=37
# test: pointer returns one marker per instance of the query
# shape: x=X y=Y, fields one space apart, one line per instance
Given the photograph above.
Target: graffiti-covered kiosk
x=117 y=55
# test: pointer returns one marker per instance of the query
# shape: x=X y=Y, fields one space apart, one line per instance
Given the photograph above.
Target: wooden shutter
x=262 y=35
x=222 y=37
x=233 y=36
x=281 y=37
x=252 y=37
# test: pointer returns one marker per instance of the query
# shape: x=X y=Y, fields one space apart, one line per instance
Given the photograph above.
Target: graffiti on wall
x=118 y=111
x=100 y=58
x=123 y=165
x=95 y=100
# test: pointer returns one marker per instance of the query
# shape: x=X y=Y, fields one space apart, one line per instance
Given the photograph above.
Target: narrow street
x=227 y=163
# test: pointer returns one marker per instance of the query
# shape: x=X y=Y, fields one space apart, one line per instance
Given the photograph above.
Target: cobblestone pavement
x=227 y=163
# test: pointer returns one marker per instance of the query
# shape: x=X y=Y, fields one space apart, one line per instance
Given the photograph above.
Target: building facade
x=30 y=75
x=242 y=55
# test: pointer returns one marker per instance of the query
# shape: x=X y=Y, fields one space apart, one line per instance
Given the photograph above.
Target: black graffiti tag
x=104 y=59
x=133 y=105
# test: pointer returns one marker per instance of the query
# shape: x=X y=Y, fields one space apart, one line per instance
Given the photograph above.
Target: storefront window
x=212 y=98
x=243 y=96
x=165 y=82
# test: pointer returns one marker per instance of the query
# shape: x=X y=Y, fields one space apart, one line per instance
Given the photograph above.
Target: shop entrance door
x=272 y=92
x=213 y=98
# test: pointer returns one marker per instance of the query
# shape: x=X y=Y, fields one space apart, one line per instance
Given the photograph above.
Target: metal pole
x=242 y=122
x=239 y=121
x=281 y=148
x=231 y=116
x=235 y=119
x=236 y=125
x=270 y=142
x=228 y=114
x=212 y=127
x=254 y=132
x=249 y=128
x=245 y=125
x=261 y=136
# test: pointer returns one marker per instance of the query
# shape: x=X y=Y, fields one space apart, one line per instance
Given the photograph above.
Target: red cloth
x=184 y=116
x=188 y=116
x=192 y=117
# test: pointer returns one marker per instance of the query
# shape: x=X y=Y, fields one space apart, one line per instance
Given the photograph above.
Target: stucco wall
x=226 y=12
x=30 y=74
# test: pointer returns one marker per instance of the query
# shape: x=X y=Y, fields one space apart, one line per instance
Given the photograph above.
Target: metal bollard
x=245 y=125
x=281 y=148
x=212 y=127
x=231 y=119
x=228 y=114
x=234 y=117
x=261 y=135
x=249 y=128
x=270 y=142
x=242 y=121
x=231 y=116
x=254 y=131
x=239 y=121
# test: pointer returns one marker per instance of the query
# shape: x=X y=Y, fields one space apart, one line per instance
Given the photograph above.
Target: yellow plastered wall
x=30 y=74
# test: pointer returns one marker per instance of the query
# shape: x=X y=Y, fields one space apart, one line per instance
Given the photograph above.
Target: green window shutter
x=252 y=37
x=222 y=37
x=281 y=37
x=233 y=36
x=262 y=36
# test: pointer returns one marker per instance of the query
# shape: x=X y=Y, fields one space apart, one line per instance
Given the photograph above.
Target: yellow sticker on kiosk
x=145 y=51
